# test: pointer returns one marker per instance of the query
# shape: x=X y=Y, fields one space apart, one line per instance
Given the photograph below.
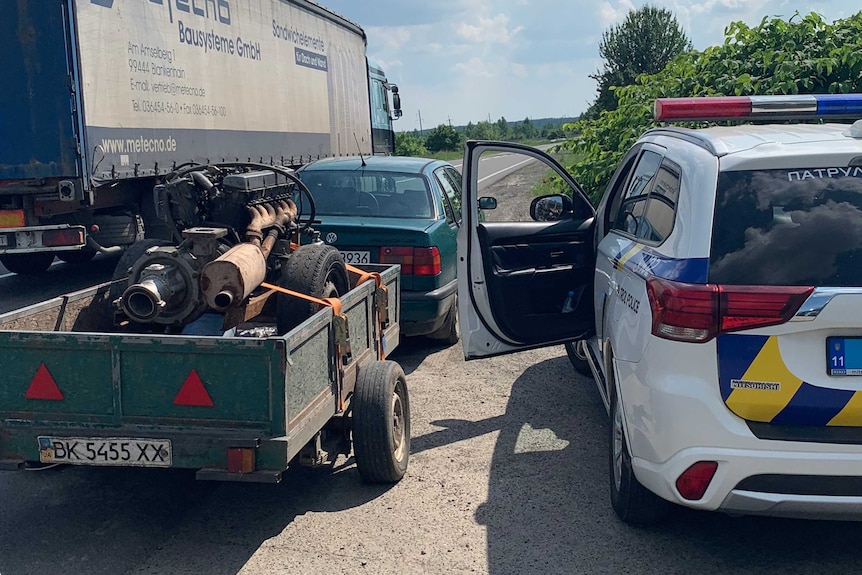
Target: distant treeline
x=446 y=137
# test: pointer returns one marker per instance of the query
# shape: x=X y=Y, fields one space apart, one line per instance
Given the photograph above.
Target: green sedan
x=401 y=210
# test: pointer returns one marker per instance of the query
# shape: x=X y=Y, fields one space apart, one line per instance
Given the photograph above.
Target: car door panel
x=515 y=276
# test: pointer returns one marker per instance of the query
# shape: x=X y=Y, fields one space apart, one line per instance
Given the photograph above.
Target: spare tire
x=315 y=269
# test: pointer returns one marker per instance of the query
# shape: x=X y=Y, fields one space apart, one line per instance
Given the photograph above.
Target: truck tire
x=124 y=265
x=449 y=333
x=381 y=422
x=77 y=257
x=577 y=358
x=315 y=269
x=27 y=264
x=632 y=502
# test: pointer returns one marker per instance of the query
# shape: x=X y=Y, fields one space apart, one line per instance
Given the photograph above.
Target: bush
x=803 y=55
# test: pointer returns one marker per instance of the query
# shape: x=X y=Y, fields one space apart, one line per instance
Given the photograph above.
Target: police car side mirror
x=551 y=208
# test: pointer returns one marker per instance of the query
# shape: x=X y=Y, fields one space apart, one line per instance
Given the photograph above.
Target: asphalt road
x=508 y=476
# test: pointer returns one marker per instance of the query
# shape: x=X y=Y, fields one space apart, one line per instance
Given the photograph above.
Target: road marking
x=506 y=169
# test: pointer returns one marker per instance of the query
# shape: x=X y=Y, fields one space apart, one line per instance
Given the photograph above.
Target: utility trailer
x=239 y=406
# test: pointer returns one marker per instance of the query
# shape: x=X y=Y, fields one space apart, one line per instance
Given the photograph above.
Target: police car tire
x=577 y=359
x=315 y=269
x=632 y=502
x=381 y=422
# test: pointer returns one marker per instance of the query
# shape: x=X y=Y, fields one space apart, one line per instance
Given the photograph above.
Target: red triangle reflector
x=193 y=392
x=43 y=386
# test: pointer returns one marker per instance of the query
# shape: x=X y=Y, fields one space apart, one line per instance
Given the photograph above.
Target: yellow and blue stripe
x=754 y=358
x=644 y=262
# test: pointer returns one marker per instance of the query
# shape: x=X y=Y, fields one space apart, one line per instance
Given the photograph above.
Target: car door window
x=660 y=210
x=453 y=216
x=630 y=215
x=455 y=179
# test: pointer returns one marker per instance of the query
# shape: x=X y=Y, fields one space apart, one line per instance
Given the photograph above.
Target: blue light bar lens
x=839 y=104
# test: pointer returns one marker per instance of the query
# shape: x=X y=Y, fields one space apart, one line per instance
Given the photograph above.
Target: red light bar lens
x=725 y=107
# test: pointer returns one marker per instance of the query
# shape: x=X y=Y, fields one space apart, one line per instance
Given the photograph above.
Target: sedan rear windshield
x=788 y=227
x=369 y=194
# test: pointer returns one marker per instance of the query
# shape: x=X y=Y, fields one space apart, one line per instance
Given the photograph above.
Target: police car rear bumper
x=764 y=482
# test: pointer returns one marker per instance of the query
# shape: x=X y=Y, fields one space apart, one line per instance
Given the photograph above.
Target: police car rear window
x=788 y=227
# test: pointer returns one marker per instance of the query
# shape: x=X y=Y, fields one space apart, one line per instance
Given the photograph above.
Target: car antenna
x=361 y=157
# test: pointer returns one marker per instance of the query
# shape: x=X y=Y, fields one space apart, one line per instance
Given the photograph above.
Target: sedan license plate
x=356 y=257
x=120 y=451
x=844 y=355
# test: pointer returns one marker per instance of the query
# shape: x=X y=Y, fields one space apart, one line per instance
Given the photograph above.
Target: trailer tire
x=77 y=257
x=124 y=265
x=381 y=422
x=27 y=264
x=315 y=269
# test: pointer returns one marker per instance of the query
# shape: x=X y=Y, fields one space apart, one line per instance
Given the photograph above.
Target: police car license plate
x=844 y=355
x=120 y=451
x=356 y=257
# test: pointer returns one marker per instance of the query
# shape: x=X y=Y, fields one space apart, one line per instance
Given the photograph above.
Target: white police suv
x=715 y=296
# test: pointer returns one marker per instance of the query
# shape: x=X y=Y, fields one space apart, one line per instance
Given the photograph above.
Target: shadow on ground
x=548 y=508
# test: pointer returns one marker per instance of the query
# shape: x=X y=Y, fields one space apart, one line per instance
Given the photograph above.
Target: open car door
x=526 y=254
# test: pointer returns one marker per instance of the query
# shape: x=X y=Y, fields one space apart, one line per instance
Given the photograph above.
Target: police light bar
x=805 y=107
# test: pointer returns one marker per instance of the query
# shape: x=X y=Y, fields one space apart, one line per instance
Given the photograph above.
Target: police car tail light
x=681 y=311
x=746 y=307
x=794 y=107
x=698 y=312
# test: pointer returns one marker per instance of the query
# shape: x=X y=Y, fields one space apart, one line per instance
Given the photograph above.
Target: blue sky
x=466 y=60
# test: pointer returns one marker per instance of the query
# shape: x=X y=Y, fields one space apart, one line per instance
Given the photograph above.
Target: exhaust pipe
x=158 y=287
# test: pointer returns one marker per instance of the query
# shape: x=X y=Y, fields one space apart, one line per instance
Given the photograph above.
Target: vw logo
x=331 y=238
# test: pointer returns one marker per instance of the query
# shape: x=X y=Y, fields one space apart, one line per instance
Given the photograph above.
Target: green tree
x=443 y=137
x=410 y=144
x=503 y=130
x=643 y=43
x=802 y=55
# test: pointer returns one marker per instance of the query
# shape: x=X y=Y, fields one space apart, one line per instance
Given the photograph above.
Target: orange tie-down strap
x=333 y=302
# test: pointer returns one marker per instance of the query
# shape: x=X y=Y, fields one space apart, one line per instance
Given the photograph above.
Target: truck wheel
x=576 y=352
x=381 y=422
x=27 y=264
x=448 y=333
x=124 y=265
x=77 y=257
x=315 y=269
x=632 y=502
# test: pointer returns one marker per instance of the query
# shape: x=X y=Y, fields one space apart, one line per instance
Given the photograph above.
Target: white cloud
x=611 y=14
x=489 y=30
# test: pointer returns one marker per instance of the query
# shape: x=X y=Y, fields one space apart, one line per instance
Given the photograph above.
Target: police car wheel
x=632 y=502
x=575 y=351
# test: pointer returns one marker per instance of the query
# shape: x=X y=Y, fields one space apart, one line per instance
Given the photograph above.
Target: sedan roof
x=403 y=164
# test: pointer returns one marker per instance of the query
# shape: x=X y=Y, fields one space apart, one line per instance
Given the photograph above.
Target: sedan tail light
x=414 y=261
x=698 y=312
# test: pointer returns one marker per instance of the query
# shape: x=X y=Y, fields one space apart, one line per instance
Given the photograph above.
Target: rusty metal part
x=264 y=216
x=232 y=277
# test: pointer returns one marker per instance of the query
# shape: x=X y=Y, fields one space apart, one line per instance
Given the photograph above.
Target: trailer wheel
x=124 y=265
x=77 y=257
x=381 y=422
x=27 y=264
x=315 y=269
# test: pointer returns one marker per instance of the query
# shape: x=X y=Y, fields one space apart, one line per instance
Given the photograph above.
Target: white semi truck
x=102 y=98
